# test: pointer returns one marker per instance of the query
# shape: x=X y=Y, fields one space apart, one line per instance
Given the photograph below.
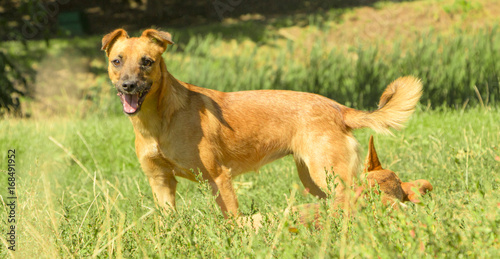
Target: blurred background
x=51 y=63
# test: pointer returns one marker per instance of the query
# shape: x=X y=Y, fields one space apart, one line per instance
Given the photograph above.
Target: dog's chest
x=148 y=150
x=151 y=154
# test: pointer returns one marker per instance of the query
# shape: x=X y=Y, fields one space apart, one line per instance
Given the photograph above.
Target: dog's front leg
x=164 y=190
x=162 y=181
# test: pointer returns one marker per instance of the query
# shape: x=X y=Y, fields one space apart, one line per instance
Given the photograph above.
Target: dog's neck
x=167 y=96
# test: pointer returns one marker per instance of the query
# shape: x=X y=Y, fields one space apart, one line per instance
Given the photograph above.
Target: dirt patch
x=62 y=85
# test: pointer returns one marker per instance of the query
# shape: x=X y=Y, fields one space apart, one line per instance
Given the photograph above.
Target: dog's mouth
x=132 y=102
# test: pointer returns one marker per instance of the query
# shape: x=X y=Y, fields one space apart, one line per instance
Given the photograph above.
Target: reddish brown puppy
x=393 y=189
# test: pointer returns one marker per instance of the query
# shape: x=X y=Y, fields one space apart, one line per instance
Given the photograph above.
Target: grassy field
x=81 y=192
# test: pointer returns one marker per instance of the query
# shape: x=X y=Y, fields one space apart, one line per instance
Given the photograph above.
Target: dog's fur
x=182 y=129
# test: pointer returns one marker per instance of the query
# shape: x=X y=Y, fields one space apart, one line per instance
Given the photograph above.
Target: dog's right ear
x=372 y=163
x=109 y=39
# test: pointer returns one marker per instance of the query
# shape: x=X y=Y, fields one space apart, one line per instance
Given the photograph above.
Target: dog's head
x=134 y=64
x=389 y=183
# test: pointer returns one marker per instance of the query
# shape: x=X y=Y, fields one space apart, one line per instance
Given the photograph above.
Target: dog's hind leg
x=324 y=156
x=222 y=187
x=311 y=186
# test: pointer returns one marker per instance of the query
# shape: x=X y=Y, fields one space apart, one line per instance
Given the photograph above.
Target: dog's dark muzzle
x=132 y=95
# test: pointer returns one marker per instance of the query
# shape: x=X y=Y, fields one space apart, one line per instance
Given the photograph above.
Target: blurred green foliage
x=451 y=67
x=456 y=70
x=10 y=78
x=35 y=20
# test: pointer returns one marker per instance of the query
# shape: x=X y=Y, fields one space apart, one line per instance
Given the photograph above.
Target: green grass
x=82 y=193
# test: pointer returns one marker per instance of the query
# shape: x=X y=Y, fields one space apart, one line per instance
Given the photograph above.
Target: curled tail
x=396 y=105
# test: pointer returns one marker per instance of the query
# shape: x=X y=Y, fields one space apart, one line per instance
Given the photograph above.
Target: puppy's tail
x=396 y=105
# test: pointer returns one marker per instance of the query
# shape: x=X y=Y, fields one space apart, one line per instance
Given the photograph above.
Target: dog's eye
x=116 y=62
x=147 y=62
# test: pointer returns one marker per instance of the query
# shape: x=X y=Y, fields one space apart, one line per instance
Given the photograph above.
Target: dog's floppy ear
x=372 y=163
x=109 y=39
x=423 y=186
x=161 y=38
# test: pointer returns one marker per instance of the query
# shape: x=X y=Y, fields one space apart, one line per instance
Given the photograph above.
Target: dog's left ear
x=372 y=163
x=162 y=38
x=109 y=39
x=423 y=186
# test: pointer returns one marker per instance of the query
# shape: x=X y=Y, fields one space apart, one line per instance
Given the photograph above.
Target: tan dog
x=182 y=129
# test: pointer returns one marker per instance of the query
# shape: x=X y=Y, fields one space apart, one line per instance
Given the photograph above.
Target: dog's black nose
x=129 y=86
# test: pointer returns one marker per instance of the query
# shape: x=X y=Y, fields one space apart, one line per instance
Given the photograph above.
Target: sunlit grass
x=82 y=193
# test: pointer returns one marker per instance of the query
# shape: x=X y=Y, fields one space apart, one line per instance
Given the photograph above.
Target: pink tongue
x=130 y=102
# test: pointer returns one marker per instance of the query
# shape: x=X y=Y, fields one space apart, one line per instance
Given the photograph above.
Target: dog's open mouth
x=132 y=102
